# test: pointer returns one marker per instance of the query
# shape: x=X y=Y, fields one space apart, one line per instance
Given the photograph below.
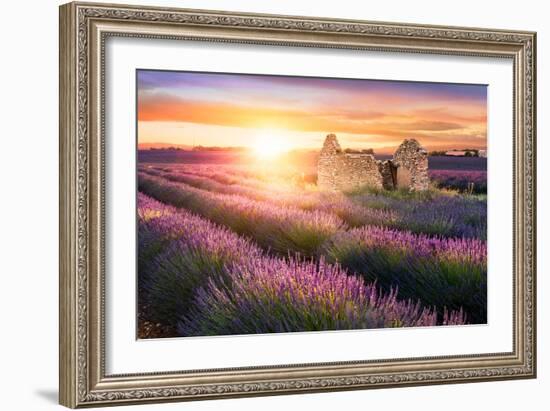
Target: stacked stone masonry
x=339 y=171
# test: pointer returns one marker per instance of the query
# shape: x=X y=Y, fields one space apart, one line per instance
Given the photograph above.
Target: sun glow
x=269 y=145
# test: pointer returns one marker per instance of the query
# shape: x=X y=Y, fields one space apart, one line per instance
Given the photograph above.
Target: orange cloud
x=324 y=119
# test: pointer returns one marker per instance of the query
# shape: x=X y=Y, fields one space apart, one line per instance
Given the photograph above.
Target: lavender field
x=227 y=246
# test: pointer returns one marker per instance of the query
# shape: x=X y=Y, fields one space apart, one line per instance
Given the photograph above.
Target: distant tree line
x=357 y=151
x=437 y=153
x=165 y=148
x=198 y=148
x=468 y=152
x=216 y=148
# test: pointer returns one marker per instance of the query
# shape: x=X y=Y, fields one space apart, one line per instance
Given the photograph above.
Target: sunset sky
x=246 y=110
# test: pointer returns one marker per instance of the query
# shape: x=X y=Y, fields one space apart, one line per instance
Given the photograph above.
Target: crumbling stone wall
x=327 y=170
x=357 y=170
x=345 y=171
x=411 y=162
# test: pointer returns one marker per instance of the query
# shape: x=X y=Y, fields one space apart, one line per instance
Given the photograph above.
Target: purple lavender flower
x=443 y=215
x=209 y=281
x=213 y=281
x=447 y=215
x=441 y=272
x=474 y=181
x=178 y=251
x=280 y=228
x=272 y=295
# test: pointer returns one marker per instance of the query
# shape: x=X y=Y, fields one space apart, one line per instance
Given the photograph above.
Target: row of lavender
x=441 y=272
x=472 y=181
x=445 y=215
x=206 y=280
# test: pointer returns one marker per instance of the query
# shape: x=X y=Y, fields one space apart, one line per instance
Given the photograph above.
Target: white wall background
x=28 y=206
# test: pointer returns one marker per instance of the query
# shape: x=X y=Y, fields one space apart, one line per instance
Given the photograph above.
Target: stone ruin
x=340 y=171
x=410 y=162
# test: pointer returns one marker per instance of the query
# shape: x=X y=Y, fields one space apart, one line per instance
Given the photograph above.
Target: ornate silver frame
x=83 y=30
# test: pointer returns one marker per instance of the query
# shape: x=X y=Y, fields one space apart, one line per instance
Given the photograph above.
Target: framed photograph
x=259 y=204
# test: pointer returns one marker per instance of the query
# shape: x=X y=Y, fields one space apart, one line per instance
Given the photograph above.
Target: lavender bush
x=177 y=252
x=336 y=203
x=391 y=257
x=273 y=295
x=282 y=229
x=441 y=272
x=433 y=214
x=430 y=213
x=473 y=181
x=189 y=262
x=262 y=255
x=212 y=281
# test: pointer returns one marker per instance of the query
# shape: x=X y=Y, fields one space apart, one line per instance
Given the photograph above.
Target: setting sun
x=269 y=145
